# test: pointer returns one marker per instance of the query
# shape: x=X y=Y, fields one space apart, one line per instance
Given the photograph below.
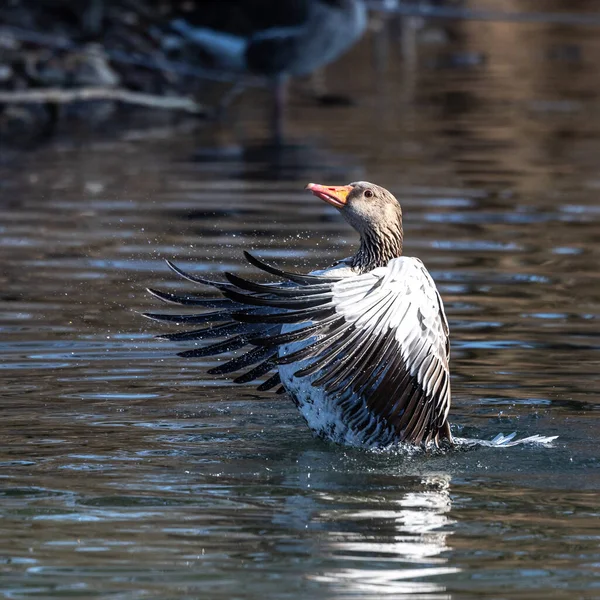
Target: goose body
x=362 y=348
x=381 y=310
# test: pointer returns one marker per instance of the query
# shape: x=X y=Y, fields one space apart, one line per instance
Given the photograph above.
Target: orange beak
x=336 y=195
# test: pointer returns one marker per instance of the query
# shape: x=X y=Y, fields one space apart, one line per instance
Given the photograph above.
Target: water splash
x=500 y=441
x=505 y=441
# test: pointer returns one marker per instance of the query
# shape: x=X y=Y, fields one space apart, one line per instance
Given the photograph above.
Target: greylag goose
x=329 y=28
x=361 y=347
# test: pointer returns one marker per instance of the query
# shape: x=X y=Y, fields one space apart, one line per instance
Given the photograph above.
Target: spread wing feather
x=376 y=343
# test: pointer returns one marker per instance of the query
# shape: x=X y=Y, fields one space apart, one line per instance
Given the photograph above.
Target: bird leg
x=234 y=91
x=318 y=83
x=278 y=112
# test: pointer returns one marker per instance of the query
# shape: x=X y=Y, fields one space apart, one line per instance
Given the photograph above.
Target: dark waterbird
x=326 y=29
x=361 y=347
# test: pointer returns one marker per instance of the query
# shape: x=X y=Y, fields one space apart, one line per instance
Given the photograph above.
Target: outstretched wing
x=246 y=319
x=377 y=341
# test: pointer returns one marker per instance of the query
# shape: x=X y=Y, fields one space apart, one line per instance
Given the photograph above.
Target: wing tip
x=163 y=296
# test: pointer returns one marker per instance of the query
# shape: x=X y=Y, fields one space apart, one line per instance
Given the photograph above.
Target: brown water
x=129 y=473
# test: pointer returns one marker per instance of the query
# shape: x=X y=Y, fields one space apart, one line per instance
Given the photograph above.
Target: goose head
x=375 y=214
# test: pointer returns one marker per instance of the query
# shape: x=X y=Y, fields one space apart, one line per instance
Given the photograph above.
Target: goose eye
x=368 y=194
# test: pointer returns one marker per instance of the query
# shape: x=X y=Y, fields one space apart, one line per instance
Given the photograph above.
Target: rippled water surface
x=129 y=473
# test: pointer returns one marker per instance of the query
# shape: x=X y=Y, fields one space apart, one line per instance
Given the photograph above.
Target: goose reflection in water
x=387 y=541
x=407 y=537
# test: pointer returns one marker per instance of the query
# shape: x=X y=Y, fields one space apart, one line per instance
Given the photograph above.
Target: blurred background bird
x=275 y=41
